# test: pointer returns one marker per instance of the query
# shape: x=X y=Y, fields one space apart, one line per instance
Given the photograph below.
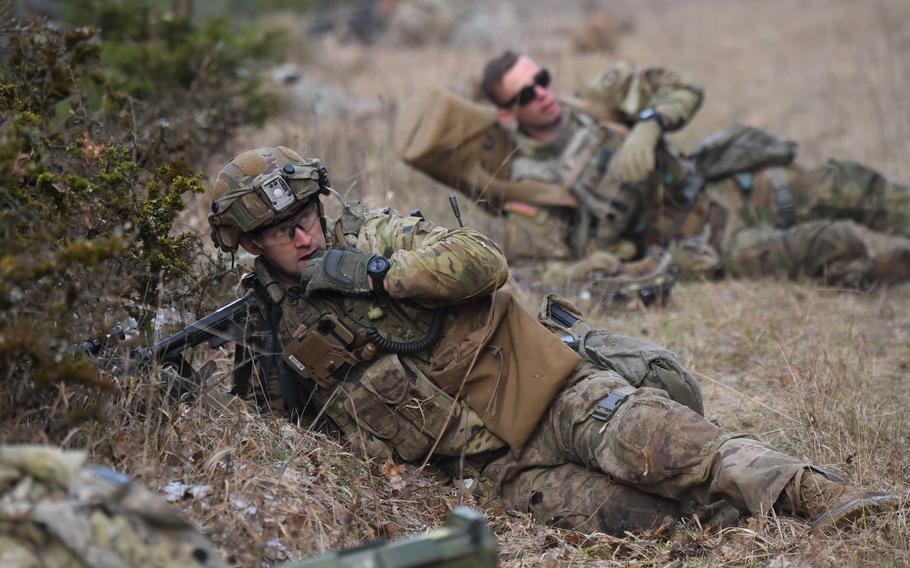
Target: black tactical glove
x=341 y=270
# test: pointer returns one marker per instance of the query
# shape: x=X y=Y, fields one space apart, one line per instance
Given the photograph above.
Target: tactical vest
x=381 y=401
x=585 y=151
x=494 y=370
x=606 y=208
x=744 y=170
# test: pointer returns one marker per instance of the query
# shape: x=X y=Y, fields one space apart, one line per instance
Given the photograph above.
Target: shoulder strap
x=347 y=226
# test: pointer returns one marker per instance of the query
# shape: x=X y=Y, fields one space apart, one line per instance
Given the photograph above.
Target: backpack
x=460 y=143
x=741 y=149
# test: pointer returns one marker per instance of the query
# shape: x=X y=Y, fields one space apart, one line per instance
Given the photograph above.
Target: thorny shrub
x=100 y=141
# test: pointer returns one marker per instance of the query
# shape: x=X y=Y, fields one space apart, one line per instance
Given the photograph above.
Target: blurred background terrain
x=169 y=91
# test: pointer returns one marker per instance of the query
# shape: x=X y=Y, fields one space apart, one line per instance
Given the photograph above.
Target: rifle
x=464 y=541
x=250 y=323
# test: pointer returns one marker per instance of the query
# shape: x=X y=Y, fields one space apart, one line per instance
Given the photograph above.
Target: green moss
x=78 y=184
x=28 y=117
x=45 y=181
x=91 y=252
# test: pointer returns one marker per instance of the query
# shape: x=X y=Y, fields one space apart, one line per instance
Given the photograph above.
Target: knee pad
x=651 y=440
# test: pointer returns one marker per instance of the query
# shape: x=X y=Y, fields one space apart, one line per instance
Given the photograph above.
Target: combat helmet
x=262 y=187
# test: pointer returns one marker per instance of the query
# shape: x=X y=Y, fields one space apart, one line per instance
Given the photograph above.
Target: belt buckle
x=608 y=405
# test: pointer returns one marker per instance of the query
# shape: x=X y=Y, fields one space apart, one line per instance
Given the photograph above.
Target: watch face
x=378 y=265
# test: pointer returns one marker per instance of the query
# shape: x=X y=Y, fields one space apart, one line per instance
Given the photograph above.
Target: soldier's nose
x=301 y=237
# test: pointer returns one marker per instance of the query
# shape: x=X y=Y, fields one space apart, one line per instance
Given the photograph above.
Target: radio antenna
x=453 y=201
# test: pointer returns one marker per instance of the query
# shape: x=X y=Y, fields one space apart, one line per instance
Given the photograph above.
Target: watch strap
x=651 y=114
x=378 y=277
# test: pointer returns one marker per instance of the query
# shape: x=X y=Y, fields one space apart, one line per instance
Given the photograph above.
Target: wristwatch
x=651 y=114
x=377 y=267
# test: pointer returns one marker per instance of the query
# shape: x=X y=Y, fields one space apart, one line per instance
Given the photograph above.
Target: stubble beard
x=548 y=129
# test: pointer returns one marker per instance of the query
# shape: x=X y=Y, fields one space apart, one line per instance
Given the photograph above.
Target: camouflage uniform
x=785 y=220
x=496 y=396
x=388 y=407
x=581 y=154
x=56 y=512
x=812 y=229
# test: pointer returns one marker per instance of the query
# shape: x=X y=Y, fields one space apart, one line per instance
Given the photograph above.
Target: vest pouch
x=385 y=403
x=400 y=405
x=423 y=404
x=429 y=409
x=322 y=352
x=644 y=364
x=531 y=231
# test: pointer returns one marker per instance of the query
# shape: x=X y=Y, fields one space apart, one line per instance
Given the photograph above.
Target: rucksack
x=460 y=143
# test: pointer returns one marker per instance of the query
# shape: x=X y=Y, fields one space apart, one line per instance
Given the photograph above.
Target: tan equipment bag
x=459 y=142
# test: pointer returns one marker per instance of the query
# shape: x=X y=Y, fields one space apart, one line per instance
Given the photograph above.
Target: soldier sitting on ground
x=396 y=330
x=538 y=225
x=739 y=205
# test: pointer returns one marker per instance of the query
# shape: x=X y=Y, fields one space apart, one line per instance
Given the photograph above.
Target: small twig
x=752 y=400
x=482 y=194
x=133 y=126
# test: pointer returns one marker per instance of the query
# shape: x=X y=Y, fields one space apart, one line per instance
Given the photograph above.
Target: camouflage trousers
x=533 y=233
x=530 y=232
x=847 y=190
x=834 y=210
x=646 y=463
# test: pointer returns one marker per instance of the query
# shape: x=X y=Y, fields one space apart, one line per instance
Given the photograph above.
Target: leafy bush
x=100 y=140
x=190 y=85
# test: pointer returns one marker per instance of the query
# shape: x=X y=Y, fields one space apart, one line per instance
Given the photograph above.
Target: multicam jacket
x=596 y=126
x=484 y=384
x=617 y=95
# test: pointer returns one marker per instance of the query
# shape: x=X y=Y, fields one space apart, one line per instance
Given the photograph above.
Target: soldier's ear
x=251 y=247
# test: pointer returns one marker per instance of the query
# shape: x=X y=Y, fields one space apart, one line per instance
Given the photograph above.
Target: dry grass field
x=818 y=372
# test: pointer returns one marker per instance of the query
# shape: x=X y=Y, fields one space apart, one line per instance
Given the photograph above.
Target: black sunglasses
x=529 y=92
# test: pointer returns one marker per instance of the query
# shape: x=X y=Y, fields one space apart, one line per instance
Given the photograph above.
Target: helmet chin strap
x=336 y=195
x=322 y=223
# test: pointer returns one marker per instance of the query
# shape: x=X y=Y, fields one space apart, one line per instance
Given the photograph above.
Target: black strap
x=608 y=405
x=783 y=196
x=562 y=317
